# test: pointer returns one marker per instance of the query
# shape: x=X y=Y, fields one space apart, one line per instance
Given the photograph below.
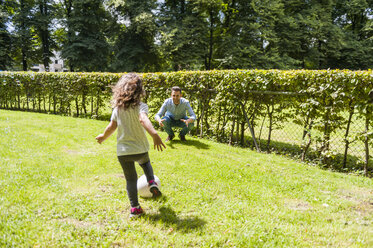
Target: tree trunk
x=307 y=146
x=211 y=42
x=201 y=127
x=23 y=41
x=326 y=136
x=366 y=141
x=232 y=131
x=224 y=121
x=305 y=127
x=44 y=103
x=242 y=133
x=260 y=132
x=206 y=114
x=98 y=105
x=270 y=116
x=68 y=6
x=44 y=34
x=77 y=106
x=54 y=104
x=237 y=129
x=19 y=101
x=84 y=104
x=218 y=126
x=91 y=106
x=347 y=142
x=39 y=102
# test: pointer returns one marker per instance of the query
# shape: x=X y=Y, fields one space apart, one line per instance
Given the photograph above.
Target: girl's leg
x=145 y=164
x=131 y=179
x=148 y=170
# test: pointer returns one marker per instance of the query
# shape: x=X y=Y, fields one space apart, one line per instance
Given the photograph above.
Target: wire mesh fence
x=340 y=140
x=319 y=116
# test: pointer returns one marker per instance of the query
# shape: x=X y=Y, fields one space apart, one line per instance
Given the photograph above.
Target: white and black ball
x=143 y=188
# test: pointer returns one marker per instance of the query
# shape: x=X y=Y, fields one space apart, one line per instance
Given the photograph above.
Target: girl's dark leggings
x=128 y=165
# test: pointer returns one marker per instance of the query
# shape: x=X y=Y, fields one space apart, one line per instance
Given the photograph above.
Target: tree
x=135 y=47
x=239 y=45
x=86 y=47
x=5 y=37
x=42 y=20
x=354 y=17
x=190 y=33
x=24 y=40
x=153 y=35
x=294 y=32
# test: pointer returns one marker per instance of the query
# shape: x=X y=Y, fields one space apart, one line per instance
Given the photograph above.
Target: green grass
x=59 y=188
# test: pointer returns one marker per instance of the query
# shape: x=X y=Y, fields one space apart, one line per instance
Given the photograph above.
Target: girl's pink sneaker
x=154 y=189
x=136 y=212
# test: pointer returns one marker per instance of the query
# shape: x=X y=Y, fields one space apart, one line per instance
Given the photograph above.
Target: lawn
x=59 y=188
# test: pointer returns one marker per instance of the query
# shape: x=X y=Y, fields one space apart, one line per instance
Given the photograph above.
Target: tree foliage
x=135 y=46
x=170 y=35
x=86 y=48
x=5 y=37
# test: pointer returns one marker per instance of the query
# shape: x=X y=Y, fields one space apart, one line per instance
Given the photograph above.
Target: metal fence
x=272 y=119
x=276 y=127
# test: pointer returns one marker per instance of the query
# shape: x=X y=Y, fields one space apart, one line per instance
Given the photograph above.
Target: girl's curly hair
x=128 y=91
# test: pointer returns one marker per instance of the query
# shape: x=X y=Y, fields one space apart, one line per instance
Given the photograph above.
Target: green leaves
x=316 y=100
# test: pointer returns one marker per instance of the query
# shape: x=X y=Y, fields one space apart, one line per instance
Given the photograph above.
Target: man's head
x=176 y=94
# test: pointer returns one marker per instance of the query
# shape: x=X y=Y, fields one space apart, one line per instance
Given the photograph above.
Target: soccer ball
x=143 y=188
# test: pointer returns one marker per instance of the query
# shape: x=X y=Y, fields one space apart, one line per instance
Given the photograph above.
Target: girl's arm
x=109 y=130
x=145 y=122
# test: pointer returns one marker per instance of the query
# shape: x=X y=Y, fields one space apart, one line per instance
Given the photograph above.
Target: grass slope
x=59 y=188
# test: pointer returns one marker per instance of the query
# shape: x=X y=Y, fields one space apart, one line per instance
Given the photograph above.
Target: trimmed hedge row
x=225 y=101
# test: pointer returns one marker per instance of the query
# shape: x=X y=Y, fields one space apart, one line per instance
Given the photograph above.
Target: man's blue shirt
x=177 y=112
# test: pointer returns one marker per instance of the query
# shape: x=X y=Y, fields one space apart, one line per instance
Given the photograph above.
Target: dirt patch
x=356 y=195
x=106 y=187
x=365 y=208
x=81 y=223
x=362 y=199
x=298 y=205
x=76 y=152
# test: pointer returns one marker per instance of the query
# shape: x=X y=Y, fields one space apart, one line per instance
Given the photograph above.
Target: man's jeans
x=170 y=122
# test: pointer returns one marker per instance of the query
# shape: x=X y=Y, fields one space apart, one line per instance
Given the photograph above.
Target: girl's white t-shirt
x=131 y=137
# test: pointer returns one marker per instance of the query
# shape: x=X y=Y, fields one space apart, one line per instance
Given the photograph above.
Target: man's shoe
x=154 y=189
x=169 y=138
x=182 y=137
x=136 y=212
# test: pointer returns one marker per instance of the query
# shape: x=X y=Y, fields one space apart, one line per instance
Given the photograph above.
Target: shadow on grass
x=196 y=143
x=168 y=217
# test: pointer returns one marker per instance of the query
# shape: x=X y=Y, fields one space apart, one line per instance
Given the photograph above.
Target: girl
x=130 y=116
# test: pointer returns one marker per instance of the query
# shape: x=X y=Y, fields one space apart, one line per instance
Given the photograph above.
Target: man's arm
x=145 y=122
x=109 y=130
x=160 y=113
x=191 y=113
x=192 y=116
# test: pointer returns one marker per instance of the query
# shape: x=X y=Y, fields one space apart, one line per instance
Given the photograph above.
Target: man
x=173 y=114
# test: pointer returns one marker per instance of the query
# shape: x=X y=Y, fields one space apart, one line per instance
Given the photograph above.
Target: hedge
x=226 y=102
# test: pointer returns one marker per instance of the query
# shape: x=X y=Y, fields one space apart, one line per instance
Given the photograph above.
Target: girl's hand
x=158 y=143
x=108 y=131
x=100 y=138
